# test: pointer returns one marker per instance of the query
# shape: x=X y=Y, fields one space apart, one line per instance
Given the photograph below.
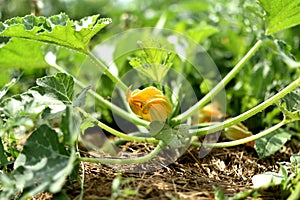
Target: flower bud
x=211 y=112
x=238 y=131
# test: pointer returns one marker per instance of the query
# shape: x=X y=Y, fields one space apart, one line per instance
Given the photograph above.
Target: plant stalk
x=123 y=161
x=195 y=108
x=247 y=139
x=104 y=67
x=247 y=114
x=115 y=132
x=122 y=113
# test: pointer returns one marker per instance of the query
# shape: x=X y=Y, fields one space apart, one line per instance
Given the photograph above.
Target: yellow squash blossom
x=149 y=103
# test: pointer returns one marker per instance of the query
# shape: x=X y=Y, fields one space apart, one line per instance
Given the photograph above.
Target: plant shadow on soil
x=229 y=169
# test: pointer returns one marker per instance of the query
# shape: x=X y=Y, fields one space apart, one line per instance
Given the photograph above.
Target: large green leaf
x=60 y=86
x=49 y=98
x=281 y=14
x=57 y=29
x=22 y=111
x=272 y=142
x=22 y=53
x=30 y=36
x=42 y=165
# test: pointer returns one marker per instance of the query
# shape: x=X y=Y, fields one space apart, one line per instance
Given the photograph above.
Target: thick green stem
x=123 y=161
x=115 y=132
x=82 y=181
x=122 y=113
x=247 y=114
x=220 y=86
x=104 y=67
x=82 y=173
x=247 y=139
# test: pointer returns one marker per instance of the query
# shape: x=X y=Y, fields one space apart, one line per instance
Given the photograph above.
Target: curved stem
x=82 y=171
x=219 y=86
x=247 y=114
x=123 y=161
x=247 y=139
x=82 y=181
x=115 y=132
x=104 y=67
x=122 y=113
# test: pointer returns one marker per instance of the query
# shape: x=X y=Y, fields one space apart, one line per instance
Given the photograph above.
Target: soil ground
x=189 y=177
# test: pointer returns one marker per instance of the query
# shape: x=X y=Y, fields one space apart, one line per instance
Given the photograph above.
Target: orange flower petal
x=149 y=103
